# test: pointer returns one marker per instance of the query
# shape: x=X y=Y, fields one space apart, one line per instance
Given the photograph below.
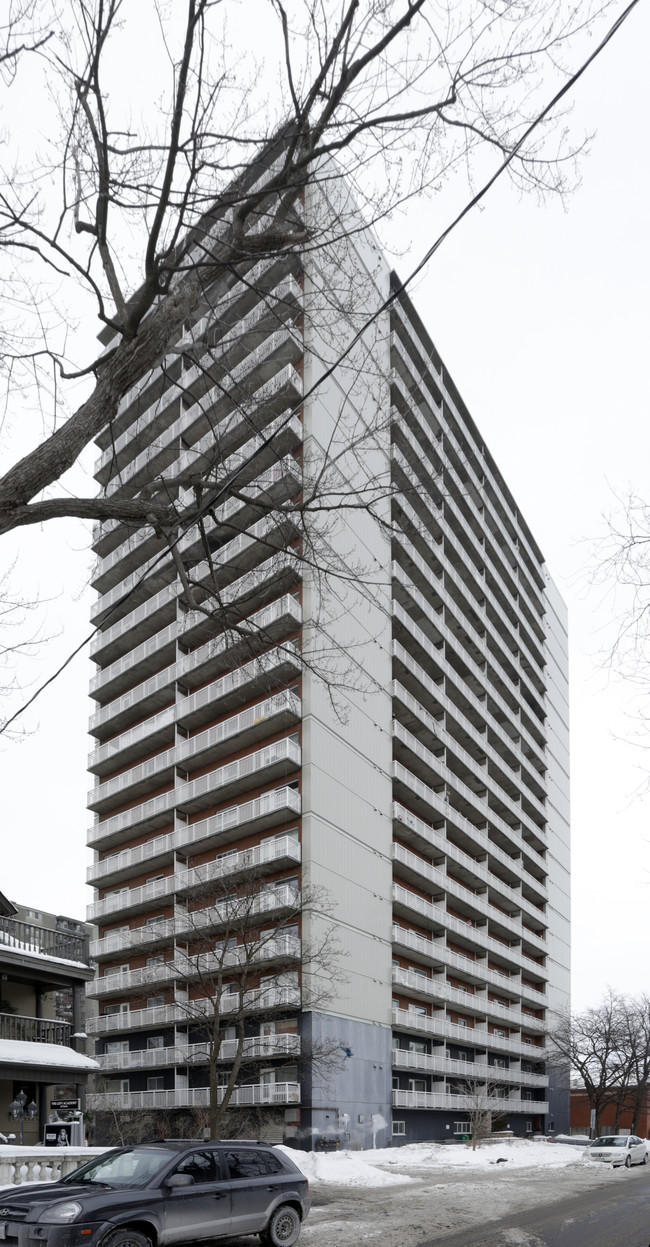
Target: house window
x=399 y=1127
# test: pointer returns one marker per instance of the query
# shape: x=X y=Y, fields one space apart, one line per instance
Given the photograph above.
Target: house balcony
x=413 y=868
x=21 y=1029
x=464 y=1103
x=213 y=410
x=262 y=1048
x=265 y=765
x=195 y=1097
x=152 y=421
x=23 y=942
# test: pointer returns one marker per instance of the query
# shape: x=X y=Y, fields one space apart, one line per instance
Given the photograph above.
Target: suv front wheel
x=283 y=1228
x=126 y=1238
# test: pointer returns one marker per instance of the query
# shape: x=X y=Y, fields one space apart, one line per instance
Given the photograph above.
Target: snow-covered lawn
x=384 y=1167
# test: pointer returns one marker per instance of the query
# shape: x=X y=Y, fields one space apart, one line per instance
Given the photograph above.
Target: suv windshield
x=131 y=1167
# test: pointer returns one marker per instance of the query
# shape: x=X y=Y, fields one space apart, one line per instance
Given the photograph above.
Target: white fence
x=41 y=1164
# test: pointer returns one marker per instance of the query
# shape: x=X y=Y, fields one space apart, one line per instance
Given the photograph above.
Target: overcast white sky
x=542 y=317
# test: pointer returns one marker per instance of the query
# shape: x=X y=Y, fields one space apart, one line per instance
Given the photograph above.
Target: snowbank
x=343 y=1168
x=373 y=1168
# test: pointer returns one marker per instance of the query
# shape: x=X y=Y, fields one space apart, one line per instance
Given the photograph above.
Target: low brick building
x=580 y=1115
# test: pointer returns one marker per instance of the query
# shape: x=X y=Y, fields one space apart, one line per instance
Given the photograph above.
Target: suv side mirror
x=179 y=1179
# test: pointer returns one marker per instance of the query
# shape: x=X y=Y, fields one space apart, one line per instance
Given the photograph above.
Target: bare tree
x=251 y=952
x=479 y=1096
x=148 y=224
x=592 y=1045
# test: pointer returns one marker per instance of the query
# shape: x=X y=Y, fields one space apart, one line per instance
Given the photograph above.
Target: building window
x=33 y=915
x=154 y=1002
x=399 y=1127
x=462 y=1127
x=156 y=1083
x=155 y=1041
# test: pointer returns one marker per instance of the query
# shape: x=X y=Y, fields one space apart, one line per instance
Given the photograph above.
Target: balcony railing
x=450 y=1103
x=262 y=999
x=34 y=1030
x=196 y=1097
x=257 y=1048
x=24 y=937
x=427 y=1062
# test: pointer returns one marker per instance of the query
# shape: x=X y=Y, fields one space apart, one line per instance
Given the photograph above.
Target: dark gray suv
x=176 y=1191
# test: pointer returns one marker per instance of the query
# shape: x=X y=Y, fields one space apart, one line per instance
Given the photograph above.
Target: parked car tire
x=628 y=1162
x=283 y=1228
x=126 y=1238
x=645 y=1158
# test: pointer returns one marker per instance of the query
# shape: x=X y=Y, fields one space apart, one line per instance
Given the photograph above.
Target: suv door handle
x=218 y=1194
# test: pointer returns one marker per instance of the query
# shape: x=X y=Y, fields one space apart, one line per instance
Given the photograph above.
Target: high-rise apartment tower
x=377 y=711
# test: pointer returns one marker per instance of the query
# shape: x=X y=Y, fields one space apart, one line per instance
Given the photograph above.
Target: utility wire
x=331 y=369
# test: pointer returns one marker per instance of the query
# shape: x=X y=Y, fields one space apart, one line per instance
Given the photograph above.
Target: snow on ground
x=373 y=1168
x=343 y=1168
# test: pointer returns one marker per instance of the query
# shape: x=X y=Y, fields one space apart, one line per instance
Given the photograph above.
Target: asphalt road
x=615 y=1216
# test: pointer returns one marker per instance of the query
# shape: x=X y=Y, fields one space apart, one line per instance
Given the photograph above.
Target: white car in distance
x=618 y=1149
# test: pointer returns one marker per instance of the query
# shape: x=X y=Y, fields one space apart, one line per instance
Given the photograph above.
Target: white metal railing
x=218 y=395
x=260 y=999
x=438 y=914
x=279 y=703
x=477 y=1036
x=184 y=794
x=440 y=880
x=196 y=1097
x=185 y=966
x=429 y=1063
x=259 y=622
x=451 y=1103
x=268 y=851
x=256 y=1048
x=436 y=802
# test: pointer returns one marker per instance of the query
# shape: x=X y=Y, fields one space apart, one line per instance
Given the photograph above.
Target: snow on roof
x=23 y=946
x=22 y=1052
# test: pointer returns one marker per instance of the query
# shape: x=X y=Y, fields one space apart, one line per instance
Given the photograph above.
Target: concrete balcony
x=197 y=1097
x=184 y=967
x=431 y=805
x=261 y=1000
x=197 y=667
x=280 y=481
x=237 y=732
x=281 y=350
x=234 y=778
x=287 y=292
x=477 y=1037
x=430 y=1063
x=435 y=952
x=263 y=1048
x=435 y=917
x=191 y=711
x=464 y=1103
x=413 y=868
x=121 y=865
